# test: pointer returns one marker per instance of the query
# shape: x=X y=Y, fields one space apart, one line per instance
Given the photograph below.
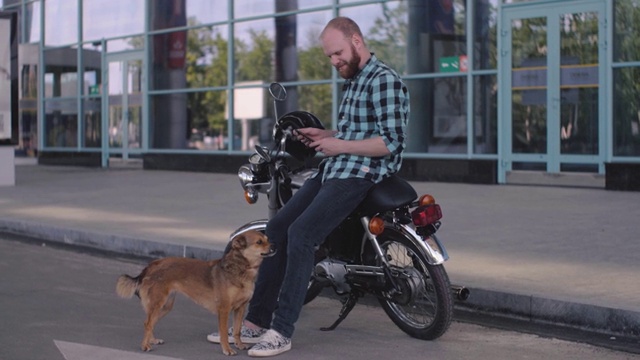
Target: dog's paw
x=229 y=351
x=241 y=346
x=157 y=341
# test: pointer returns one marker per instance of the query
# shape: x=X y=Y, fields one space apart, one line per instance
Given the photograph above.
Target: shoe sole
x=216 y=339
x=266 y=353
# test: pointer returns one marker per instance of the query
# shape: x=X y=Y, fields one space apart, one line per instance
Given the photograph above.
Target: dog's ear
x=239 y=242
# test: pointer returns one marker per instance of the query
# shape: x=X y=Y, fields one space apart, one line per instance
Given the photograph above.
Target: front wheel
x=423 y=307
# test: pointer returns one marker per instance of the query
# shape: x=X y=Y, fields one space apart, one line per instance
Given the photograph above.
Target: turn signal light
x=376 y=225
x=426 y=200
x=426 y=215
x=251 y=197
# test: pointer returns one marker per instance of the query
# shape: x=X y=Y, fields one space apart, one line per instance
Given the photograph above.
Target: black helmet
x=293 y=121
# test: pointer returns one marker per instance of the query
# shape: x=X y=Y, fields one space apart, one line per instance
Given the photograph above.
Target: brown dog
x=220 y=286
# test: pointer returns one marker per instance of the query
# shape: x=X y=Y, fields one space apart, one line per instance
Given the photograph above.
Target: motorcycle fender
x=432 y=248
x=257 y=225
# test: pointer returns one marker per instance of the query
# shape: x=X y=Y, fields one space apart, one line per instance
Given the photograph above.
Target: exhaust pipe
x=460 y=292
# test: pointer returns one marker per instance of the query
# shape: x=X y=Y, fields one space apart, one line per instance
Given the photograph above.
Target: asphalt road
x=60 y=304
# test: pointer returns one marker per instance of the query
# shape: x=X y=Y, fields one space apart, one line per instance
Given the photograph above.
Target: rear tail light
x=426 y=214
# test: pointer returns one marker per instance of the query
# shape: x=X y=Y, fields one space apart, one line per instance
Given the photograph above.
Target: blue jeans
x=306 y=220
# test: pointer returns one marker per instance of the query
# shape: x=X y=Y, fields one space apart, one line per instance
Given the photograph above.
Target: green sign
x=450 y=64
x=94 y=90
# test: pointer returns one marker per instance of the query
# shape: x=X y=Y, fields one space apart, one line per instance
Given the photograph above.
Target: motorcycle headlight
x=259 y=167
x=245 y=175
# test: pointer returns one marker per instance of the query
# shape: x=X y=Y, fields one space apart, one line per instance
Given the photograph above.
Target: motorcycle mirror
x=263 y=153
x=277 y=91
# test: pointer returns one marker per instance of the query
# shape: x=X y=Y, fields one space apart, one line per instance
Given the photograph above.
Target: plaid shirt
x=375 y=103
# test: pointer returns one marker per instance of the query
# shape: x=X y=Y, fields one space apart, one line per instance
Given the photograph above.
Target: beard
x=350 y=68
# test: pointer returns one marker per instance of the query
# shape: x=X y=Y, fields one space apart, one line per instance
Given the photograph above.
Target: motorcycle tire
x=427 y=312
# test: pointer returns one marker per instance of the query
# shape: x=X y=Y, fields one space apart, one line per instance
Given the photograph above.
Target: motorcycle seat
x=391 y=193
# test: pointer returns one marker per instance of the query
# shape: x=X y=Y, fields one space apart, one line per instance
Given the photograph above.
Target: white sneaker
x=270 y=344
x=247 y=336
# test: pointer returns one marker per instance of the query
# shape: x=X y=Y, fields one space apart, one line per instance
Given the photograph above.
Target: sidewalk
x=564 y=255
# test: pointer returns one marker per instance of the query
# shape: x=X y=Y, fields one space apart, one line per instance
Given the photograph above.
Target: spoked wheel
x=423 y=308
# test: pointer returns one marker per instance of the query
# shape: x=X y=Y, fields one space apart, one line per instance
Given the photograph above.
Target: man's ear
x=357 y=42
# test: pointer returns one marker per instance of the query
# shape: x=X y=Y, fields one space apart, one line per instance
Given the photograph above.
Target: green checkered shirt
x=375 y=103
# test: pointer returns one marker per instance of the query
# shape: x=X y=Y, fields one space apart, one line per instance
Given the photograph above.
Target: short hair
x=345 y=25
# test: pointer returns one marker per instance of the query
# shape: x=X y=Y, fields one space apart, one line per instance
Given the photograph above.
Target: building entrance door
x=123 y=116
x=553 y=94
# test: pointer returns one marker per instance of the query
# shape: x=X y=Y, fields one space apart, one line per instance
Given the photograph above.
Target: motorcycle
x=387 y=247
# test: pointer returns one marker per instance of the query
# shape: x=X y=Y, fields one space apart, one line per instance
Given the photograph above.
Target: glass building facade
x=502 y=91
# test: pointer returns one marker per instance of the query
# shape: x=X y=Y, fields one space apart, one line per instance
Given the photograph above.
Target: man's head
x=343 y=43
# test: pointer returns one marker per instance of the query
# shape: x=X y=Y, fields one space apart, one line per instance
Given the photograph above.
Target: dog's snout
x=272 y=251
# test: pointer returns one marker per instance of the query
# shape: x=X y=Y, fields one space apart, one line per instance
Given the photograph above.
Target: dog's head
x=252 y=245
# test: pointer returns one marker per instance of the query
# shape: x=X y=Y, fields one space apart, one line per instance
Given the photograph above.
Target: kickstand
x=348 y=305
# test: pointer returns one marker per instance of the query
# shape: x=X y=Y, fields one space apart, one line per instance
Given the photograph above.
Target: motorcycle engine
x=334 y=271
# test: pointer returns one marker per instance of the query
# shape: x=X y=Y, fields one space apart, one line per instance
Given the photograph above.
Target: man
x=366 y=148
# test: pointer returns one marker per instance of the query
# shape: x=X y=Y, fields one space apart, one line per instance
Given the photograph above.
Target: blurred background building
x=503 y=91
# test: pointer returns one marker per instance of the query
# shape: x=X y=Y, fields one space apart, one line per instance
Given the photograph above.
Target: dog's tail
x=127 y=286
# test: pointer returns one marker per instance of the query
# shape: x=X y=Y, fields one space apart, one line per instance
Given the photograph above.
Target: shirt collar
x=367 y=67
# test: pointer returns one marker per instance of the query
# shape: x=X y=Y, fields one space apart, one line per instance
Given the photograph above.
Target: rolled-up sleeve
x=390 y=99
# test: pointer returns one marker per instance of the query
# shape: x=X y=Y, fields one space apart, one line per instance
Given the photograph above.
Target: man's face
x=342 y=53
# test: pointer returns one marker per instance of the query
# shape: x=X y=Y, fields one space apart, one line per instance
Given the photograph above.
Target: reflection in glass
x=626 y=112
x=529 y=85
x=485 y=105
x=385 y=27
x=124 y=44
x=206 y=11
x=124 y=17
x=579 y=83
x=92 y=123
x=626 y=30
x=485 y=27
x=61 y=72
x=443 y=125
x=248 y=8
x=205 y=61
x=254 y=44
x=61 y=123
x=125 y=104
x=61 y=22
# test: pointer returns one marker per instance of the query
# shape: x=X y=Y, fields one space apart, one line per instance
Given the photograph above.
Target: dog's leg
x=238 y=316
x=223 y=329
x=155 y=311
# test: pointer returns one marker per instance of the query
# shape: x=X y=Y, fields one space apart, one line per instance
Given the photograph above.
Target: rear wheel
x=424 y=306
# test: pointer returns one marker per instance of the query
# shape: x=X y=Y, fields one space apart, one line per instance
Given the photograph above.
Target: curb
x=531 y=309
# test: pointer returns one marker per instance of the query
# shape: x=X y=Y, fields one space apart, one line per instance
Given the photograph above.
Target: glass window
x=92 y=130
x=92 y=72
x=385 y=28
x=168 y=121
x=204 y=64
x=32 y=20
x=165 y=14
x=249 y=8
x=438 y=122
x=206 y=11
x=254 y=44
x=61 y=123
x=124 y=17
x=626 y=30
x=626 y=112
x=61 y=72
x=485 y=27
x=299 y=55
x=61 y=22
x=485 y=120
